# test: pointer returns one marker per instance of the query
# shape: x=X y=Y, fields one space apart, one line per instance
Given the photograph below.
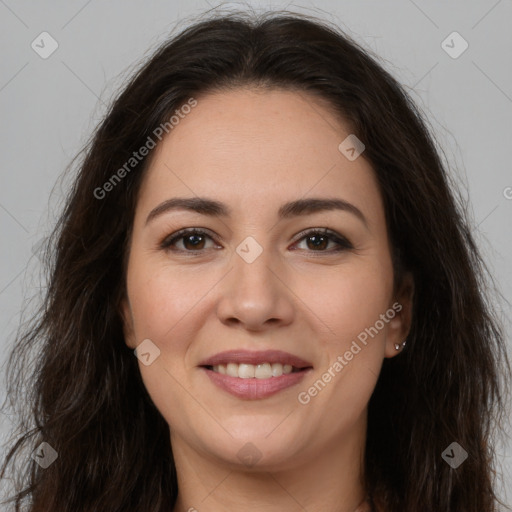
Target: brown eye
x=192 y=240
x=318 y=241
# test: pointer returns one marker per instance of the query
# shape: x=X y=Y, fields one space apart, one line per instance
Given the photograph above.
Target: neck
x=331 y=480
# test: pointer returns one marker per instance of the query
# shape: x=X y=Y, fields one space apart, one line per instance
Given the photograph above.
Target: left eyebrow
x=212 y=208
x=314 y=205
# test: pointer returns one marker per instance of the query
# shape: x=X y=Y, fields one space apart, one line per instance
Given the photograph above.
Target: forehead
x=258 y=147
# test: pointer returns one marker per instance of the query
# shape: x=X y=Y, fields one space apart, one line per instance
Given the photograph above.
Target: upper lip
x=254 y=358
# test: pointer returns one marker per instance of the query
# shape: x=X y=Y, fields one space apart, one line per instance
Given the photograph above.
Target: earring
x=398 y=347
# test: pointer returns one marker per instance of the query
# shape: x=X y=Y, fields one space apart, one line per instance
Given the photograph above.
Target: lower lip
x=254 y=389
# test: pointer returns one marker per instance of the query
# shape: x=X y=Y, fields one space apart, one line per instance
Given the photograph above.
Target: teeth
x=251 y=371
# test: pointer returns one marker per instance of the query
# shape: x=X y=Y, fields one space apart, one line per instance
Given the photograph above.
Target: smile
x=253 y=375
x=251 y=371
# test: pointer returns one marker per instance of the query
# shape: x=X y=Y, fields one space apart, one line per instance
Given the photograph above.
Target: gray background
x=50 y=106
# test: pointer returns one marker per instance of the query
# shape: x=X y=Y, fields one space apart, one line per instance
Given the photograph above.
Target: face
x=269 y=318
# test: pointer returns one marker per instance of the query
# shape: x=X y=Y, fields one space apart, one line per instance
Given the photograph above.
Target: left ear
x=400 y=325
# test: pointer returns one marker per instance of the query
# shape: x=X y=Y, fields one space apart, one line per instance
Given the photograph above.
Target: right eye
x=192 y=239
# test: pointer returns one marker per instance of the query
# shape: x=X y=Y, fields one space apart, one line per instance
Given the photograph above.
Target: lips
x=254 y=381
x=256 y=358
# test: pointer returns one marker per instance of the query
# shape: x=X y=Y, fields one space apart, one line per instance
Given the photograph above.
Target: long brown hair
x=82 y=393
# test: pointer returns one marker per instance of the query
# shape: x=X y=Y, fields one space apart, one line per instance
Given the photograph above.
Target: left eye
x=320 y=239
x=317 y=240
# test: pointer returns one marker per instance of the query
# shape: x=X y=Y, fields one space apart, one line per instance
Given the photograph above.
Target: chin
x=257 y=449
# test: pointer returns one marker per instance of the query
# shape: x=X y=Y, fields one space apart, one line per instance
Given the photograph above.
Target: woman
x=262 y=219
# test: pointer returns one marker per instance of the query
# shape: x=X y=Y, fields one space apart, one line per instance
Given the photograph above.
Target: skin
x=255 y=150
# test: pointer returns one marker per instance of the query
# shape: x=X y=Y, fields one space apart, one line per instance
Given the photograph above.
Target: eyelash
x=343 y=243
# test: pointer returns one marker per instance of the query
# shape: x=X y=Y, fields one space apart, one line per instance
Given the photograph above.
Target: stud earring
x=398 y=347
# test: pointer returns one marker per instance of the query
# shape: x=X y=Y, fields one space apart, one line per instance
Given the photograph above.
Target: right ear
x=127 y=319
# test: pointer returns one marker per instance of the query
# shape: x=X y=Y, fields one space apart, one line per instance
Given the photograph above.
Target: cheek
x=164 y=301
x=352 y=305
x=165 y=305
x=349 y=299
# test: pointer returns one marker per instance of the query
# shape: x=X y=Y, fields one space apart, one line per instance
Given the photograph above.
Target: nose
x=256 y=295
